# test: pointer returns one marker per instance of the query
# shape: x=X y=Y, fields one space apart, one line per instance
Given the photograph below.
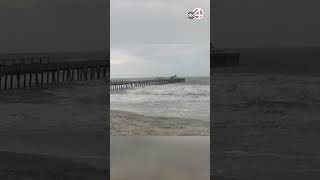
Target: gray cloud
x=158 y=21
x=53 y=25
x=150 y=60
x=265 y=23
x=155 y=38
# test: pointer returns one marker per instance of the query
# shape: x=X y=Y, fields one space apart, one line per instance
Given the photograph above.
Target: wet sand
x=160 y=158
x=63 y=126
x=131 y=124
x=266 y=126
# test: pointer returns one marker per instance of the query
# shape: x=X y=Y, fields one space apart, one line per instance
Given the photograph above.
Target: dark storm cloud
x=265 y=23
x=53 y=25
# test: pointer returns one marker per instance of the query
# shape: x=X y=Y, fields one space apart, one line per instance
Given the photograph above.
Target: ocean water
x=183 y=100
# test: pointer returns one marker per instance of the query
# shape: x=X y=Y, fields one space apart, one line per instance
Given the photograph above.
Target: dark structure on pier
x=21 y=73
x=223 y=59
x=122 y=84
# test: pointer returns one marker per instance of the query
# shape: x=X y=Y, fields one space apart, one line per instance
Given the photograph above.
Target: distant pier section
x=125 y=84
x=220 y=58
x=39 y=71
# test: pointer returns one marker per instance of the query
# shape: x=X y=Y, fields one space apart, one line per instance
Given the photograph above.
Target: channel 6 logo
x=197 y=13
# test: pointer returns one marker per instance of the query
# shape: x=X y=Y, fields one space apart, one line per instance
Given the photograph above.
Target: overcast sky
x=265 y=23
x=158 y=21
x=53 y=25
x=154 y=60
x=155 y=38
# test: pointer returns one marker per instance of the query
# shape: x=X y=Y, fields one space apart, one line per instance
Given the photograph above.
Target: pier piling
x=124 y=84
x=16 y=74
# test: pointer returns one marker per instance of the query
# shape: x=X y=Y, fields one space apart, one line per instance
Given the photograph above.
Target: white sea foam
x=189 y=100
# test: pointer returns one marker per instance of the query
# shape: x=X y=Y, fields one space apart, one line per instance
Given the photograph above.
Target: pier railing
x=124 y=84
x=23 y=75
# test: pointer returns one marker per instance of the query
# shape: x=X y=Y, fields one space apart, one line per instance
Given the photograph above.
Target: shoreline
x=124 y=123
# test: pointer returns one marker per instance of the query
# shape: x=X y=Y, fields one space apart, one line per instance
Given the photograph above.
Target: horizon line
x=160 y=76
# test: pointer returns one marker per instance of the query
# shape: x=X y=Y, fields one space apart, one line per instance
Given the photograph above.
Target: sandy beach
x=265 y=125
x=132 y=124
x=160 y=158
x=54 y=133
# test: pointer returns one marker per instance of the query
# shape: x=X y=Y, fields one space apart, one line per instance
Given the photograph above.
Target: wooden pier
x=123 y=84
x=27 y=75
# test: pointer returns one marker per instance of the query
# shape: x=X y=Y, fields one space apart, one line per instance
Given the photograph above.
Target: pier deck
x=37 y=74
x=124 y=84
